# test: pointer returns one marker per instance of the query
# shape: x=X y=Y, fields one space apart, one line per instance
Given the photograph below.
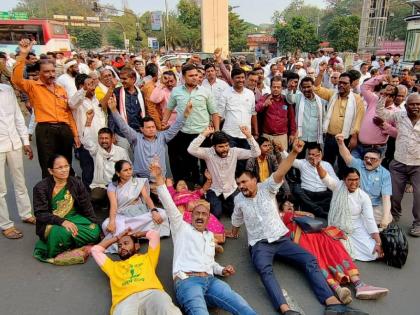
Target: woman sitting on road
x=65 y=219
x=131 y=205
x=333 y=260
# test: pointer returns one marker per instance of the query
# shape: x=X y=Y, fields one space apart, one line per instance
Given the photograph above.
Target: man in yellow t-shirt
x=135 y=287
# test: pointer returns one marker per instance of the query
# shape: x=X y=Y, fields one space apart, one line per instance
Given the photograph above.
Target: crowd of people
x=175 y=150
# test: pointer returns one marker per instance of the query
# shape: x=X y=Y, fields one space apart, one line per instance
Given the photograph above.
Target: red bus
x=49 y=35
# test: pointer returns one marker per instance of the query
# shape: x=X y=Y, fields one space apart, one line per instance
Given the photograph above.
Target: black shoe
x=341 y=309
x=291 y=312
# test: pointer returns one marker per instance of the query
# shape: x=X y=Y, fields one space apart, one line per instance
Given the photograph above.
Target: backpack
x=394 y=245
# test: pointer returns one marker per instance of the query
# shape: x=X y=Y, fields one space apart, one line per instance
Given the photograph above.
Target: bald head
x=402 y=94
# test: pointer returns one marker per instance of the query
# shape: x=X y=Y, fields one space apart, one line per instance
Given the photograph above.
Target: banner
x=156 y=20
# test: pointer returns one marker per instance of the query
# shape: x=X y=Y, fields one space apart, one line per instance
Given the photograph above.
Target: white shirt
x=260 y=214
x=67 y=82
x=84 y=68
x=237 y=110
x=363 y=77
x=222 y=170
x=79 y=105
x=310 y=179
x=217 y=89
x=193 y=250
x=13 y=131
x=104 y=162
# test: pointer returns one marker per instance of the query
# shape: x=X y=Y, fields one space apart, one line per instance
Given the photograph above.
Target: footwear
x=219 y=249
x=344 y=295
x=415 y=230
x=291 y=312
x=340 y=309
x=30 y=220
x=369 y=292
x=409 y=188
x=12 y=233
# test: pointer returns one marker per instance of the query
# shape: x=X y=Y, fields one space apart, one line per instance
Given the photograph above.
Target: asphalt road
x=29 y=287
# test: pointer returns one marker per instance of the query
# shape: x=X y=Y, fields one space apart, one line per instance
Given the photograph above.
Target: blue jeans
x=220 y=205
x=360 y=151
x=263 y=253
x=195 y=293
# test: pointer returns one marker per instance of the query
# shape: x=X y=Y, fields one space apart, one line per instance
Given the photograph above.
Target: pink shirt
x=369 y=132
x=160 y=95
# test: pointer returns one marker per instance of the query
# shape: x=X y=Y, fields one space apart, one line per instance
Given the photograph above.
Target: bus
x=49 y=35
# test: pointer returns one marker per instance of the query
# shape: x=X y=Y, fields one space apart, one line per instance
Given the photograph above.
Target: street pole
x=165 y=25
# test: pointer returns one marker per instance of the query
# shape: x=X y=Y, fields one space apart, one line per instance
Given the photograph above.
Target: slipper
x=12 y=233
x=30 y=220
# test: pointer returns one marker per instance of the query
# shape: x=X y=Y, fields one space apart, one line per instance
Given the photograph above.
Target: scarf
x=349 y=116
x=300 y=116
x=122 y=109
x=340 y=214
x=103 y=87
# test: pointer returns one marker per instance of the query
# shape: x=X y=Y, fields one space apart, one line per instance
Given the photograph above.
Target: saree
x=335 y=263
x=132 y=212
x=59 y=241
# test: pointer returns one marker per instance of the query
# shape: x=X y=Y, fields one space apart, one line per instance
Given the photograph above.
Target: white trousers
x=14 y=160
x=148 y=302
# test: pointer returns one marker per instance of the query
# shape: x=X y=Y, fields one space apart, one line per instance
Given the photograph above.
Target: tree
x=297 y=34
x=297 y=8
x=396 y=27
x=189 y=15
x=238 y=31
x=87 y=38
x=46 y=9
x=343 y=32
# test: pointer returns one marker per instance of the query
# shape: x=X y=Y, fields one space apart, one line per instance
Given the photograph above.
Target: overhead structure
x=412 y=41
x=214 y=25
x=372 y=25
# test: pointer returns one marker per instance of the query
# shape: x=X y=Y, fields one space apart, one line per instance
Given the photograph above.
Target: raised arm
x=330 y=182
x=129 y=133
x=89 y=138
x=383 y=113
x=77 y=99
x=287 y=163
x=179 y=123
x=194 y=148
x=25 y=46
x=344 y=151
x=255 y=151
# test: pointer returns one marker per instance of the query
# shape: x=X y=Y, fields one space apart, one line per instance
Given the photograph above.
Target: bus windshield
x=12 y=34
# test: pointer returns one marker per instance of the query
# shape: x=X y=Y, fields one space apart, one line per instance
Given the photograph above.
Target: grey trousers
x=401 y=174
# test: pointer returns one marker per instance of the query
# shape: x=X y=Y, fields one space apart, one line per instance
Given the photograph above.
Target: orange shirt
x=49 y=106
x=152 y=109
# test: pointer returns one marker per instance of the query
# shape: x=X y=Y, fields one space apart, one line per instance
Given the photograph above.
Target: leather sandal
x=30 y=220
x=12 y=233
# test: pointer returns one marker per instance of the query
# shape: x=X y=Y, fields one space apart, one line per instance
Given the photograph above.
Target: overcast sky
x=254 y=11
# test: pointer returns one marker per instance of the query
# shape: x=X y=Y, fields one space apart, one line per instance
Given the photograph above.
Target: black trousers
x=331 y=153
x=53 y=139
x=317 y=203
x=87 y=166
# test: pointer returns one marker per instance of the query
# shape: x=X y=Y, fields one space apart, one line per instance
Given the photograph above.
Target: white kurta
x=363 y=222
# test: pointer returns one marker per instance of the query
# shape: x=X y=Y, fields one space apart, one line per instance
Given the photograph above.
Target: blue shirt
x=375 y=183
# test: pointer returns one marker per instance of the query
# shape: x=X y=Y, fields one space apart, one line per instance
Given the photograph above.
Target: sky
x=254 y=11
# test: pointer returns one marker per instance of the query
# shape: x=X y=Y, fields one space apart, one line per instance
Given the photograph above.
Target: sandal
x=12 y=233
x=30 y=220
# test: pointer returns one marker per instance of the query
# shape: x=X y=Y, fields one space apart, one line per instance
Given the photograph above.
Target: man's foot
x=340 y=309
x=12 y=233
x=409 y=188
x=344 y=295
x=369 y=292
x=30 y=220
x=291 y=312
x=219 y=249
x=415 y=230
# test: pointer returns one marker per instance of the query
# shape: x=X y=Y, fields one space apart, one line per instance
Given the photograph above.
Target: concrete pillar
x=214 y=25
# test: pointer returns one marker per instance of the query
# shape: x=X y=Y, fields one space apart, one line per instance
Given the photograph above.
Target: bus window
x=11 y=34
x=58 y=29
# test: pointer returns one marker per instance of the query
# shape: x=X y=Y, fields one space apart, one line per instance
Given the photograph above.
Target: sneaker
x=415 y=230
x=369 y=292
x=291 y=312
x=340 y=309
x=344 y=295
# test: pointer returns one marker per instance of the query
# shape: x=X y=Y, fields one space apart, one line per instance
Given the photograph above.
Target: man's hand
x=228 y=271
x=111 y=227
x=234 y=233
x=340 y=139
x=127 y=231
x=112 y=104
x=323 y=66
x=155 y=169
x=77 y=142
x=208 y=131
x=246 y=132
x=70 y=227
x=138 y=234
x=218 y=55
x=164 y=125
x=28 y=151
x=278 y=146
x=292 y=139
x=207 y=174
x=114 y=83
x=156 y=217
x=169 y=182
x=89 y=117
x=298 y=146
x=188 y=109
x=378 y=249
x=25 y=46
x=268 y=101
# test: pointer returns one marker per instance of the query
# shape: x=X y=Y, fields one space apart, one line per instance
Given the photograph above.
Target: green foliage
x=115 y=38
x=343 y=32
x=43 y=8
x=297 y=8
x=238 y=30
x=396 y=27
x=87 y=37
x=297 y=34
x=189 y=18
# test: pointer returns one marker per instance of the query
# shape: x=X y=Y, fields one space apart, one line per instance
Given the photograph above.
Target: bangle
x=154 y=209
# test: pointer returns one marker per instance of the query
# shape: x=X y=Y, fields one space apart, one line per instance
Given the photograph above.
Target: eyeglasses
x=343 y=83
x=368 y=158
x=62 y=168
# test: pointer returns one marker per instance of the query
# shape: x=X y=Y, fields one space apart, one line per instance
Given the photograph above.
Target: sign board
x=4 y=15
x=156 y=20
x=77 y=18
x=153 y=43
x=60 y=17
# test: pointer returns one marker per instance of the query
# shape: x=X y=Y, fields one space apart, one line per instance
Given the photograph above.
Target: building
x=264 y=45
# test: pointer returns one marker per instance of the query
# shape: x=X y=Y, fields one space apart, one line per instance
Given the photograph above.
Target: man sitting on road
x=194 y=266
x=375 y=180
x=135 y=287
x=312 y=194
x=268 y=238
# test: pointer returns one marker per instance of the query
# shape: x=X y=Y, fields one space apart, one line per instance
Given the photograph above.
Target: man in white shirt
x=256 y=206
x=194 y=265
x=312 y=194
x=221 y=161
x=215 y=85
x=13 y=133
x=82 y=102
x=237 y=108
x=365 y=74
x=105 y=154
x=67 y=80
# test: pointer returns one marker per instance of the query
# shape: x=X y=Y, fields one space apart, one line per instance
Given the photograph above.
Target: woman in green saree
x=66 y=221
